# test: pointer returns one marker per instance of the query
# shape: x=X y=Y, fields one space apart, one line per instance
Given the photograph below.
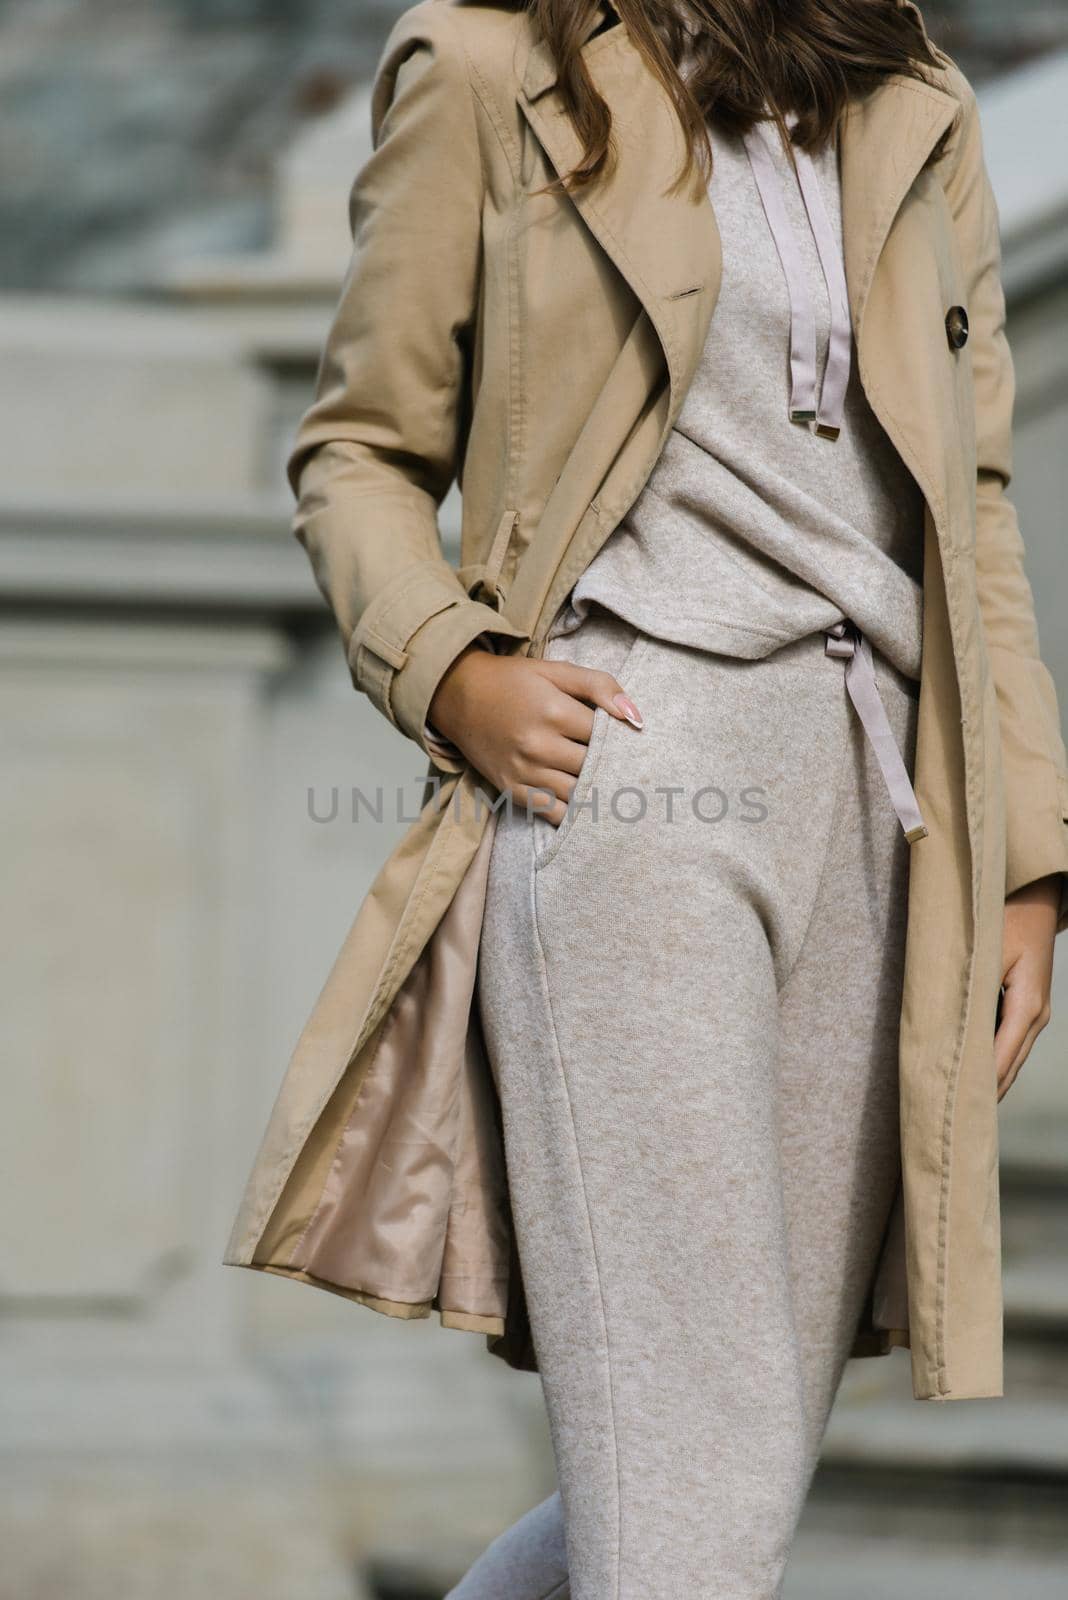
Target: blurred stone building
x=175 y=714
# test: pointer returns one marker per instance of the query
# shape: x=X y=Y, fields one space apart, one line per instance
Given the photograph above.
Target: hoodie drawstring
x=827 y=412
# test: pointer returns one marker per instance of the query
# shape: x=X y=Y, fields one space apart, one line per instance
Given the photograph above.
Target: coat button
x=957 y=326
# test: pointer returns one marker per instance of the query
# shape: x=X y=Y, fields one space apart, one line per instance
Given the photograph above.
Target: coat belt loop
x=498 y=550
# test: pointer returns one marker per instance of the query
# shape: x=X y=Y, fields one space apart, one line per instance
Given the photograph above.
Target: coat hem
x=402 y=1310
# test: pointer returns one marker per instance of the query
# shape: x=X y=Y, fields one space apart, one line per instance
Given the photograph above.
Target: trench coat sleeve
x=1033 y=752
x=377 y=450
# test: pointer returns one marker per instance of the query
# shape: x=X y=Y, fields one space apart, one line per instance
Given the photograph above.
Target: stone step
x=1034 y=1227
x=828 y=1567
x=974 y=1472
x=1034 y=1235
x=1035 y=1284
x=967 y=1510
x=876 y=1420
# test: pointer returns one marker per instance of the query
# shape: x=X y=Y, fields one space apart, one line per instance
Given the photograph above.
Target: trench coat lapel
x=884 y=141
x=667 y=246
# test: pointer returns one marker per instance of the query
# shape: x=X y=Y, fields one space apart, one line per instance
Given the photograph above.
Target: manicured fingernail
x=629 y=710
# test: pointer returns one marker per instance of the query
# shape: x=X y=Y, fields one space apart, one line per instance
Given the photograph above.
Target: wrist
x=446 y=712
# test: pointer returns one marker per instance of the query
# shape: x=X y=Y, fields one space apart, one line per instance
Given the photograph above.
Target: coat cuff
x=1037 y=841
x=1035 y=773
x=1035 y=854
x=410 y=635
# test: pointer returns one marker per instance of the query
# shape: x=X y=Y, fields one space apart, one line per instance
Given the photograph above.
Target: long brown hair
x=806 y=57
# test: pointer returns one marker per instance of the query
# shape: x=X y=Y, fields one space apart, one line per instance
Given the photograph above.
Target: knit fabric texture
x=690 y=993
x=752 y=531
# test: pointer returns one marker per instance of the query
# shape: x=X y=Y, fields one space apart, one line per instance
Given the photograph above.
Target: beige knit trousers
x=690 y=993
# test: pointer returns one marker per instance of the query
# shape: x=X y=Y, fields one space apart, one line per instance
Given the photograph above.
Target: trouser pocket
x=606 y=642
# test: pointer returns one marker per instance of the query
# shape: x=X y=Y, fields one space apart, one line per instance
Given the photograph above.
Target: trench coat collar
x=667 y=246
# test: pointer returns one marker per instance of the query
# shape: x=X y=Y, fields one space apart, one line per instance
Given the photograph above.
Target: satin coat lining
x=414 y=1207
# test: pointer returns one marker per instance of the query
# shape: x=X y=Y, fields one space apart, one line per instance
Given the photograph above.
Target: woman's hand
x=1027 y=965
x=525 y=724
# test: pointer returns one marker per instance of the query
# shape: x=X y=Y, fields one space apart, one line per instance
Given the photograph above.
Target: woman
x=734 y=438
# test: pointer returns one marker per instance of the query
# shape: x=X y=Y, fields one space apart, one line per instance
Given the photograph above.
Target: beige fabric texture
x=694 y=1026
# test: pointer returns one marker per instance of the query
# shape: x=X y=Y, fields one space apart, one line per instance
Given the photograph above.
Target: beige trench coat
x=540 y=347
